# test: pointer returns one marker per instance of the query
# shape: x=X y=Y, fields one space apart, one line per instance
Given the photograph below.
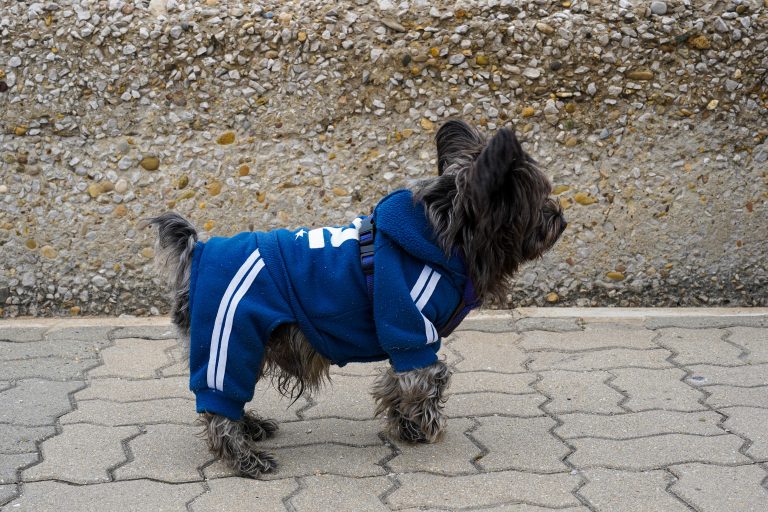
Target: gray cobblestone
x=122 y=390
x=519 y=383
x=599 y=359
x=755 y=341
x=716 y=488
x=46 y=367
x=341 y=494
x=7 y=492
x=657 y=451
x=490 y=321
x=21 y=334
x=593 y=337
x=243 y=495
x=36 y=402
x=488 y=404
x=638 y=424
x=102 y=412
x=10 y=462
x=87 y=330
x=81 y=454
x=66 y=349
x=547 y=324
x=21 y=439
x=131 y=496
x=749 y=375
x=610 y=490
x=750 y=422
x=707 y=321
x=123 y=360
x=579 y=391
x=347 y=397
x=657 y=389
x=689 y=346
x=523 y=444
x=149 y=332
x=450 y=456
x=484 y=351
x=725 y=396
x=327 y=430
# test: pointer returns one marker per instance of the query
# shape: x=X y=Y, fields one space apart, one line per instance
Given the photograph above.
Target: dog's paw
x=410 y=432
x=253 y=464
x=256 y=428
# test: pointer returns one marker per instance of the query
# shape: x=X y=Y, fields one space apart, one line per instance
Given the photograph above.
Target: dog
x=258 y=304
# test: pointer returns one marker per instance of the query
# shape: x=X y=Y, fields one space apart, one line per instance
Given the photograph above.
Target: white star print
x=300 y=233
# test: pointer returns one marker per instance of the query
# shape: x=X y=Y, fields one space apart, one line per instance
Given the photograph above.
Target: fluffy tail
x=175 y=244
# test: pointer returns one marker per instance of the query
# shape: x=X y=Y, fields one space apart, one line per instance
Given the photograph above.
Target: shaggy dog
x=288 y=304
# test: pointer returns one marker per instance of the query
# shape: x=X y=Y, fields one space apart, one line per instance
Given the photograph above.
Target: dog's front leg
x=234 y=442
x=412 y=402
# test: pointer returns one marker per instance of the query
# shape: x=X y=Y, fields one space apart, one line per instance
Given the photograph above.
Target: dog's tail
x=175 y=244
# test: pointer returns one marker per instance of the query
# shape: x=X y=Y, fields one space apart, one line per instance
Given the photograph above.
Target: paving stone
x=755 y=341
x=328 y=430
x=148 y=332
x=36 y=402
x=639 y=424
x=750 y=422
x=547 y=324
x=7 y=492
x=341 y=494
x=483 y=351
x=133 y=357
x=496 y=321
x=427 y=490
x=609 y=490
x=11 y=462
x=169 y=453
x=505 y=508
x=21 y=334
x=599 y=359
x=748 y=375
x=47 y=367
x=123 y=390
x=81 y=454
x=88 y=331
x=520 y=443
x=177 y=369
x=704 y=321
x=348 y=397
x=517 y=383
x=656 y=451
x=244 y=495
x=21 y=439
x=489 y=404
x=725 y=396
x=579 y=391
x=102 y=412
x=66 y=349
x=657 y=389
x=452 y=455
x=129 y=496
x=593 y=337
x=716 y=488
x=699 y=346
x=317 y=459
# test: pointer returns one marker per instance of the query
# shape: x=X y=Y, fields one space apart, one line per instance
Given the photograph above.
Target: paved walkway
x=554 y=409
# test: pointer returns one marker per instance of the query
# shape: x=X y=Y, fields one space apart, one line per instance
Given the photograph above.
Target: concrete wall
x=650 y=117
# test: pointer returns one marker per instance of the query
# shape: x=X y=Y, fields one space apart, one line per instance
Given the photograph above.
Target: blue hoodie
x=243 y=287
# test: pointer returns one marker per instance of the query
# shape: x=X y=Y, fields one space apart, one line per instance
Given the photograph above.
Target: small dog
x=288 y=304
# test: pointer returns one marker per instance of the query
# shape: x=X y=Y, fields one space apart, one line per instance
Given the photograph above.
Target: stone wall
x=650 y=117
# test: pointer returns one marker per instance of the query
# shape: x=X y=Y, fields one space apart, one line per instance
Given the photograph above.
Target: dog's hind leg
x=233 y=441
x=413 y=401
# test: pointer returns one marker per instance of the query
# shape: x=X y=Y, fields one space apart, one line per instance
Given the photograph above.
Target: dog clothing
x=242 y=288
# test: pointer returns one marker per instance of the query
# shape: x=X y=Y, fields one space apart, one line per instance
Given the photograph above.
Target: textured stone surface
x=599 y=360
x=638 y=424
x=490 y=381
x=120 y=360
x=521 y=444
x=123 y=390
x=9 y=463
x=750 y=375
x=347 y=397
x=724 y=396
x=610 y=490
x=591 y=338
x=579 y=391
x=657 y=389
x=36 y=402
x=102 y=412
x=689 y=344
x=341 y=494
x=453 y=455
x=753 y=341
x=738 y=488
x=488 y=404
x=750 y=422
x=243 y=495
x=484 y=351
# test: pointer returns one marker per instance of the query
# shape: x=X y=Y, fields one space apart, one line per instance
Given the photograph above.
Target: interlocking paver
x=122 y=390
x=579 y=391
x=21 y=334
x=103 y=412
x=7 y=492
x=327 y=430
x=66 y=349
x=427 y=490
x=129 y=496
x=657 y=389
x=488 y=404
x=506 y=508
x=724 y=396
x=699 y=346
x=706 y=321
x=36 y=402
x=452 y=455
x=244 y=495
x=496 y=321
x=750 y=422
x=46 y=367
x=547 y=324
x=599 y=359
x=10 y=462
x=749 y=375
x=755 y=341
x=169 y=453
x=22 y=439
x=524 y=444
x=592 y=337
x=134 y=358
x=609 y=490
x=716 y=489
x=638 y=424
x=81 y=454
x=87 y=331
x=656 y=451
x=484 y=351
x=150 y=332
x=341 y=494
x=516 y=383
x=347 y=397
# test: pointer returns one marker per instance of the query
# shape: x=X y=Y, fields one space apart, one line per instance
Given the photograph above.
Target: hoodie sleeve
x=404 y=332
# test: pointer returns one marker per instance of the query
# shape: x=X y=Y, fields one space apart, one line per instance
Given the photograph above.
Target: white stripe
x=216 y=334
x=247 y=282
x=428 y=290
x=430 y=330
x=416 y=290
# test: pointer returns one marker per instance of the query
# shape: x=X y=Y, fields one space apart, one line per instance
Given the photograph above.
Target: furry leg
x=413 y=401
x=233 y=442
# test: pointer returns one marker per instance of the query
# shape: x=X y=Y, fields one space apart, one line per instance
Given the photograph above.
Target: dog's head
x=491 y=202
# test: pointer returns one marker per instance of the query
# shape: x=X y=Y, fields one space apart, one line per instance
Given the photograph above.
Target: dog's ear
x=457 y=142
